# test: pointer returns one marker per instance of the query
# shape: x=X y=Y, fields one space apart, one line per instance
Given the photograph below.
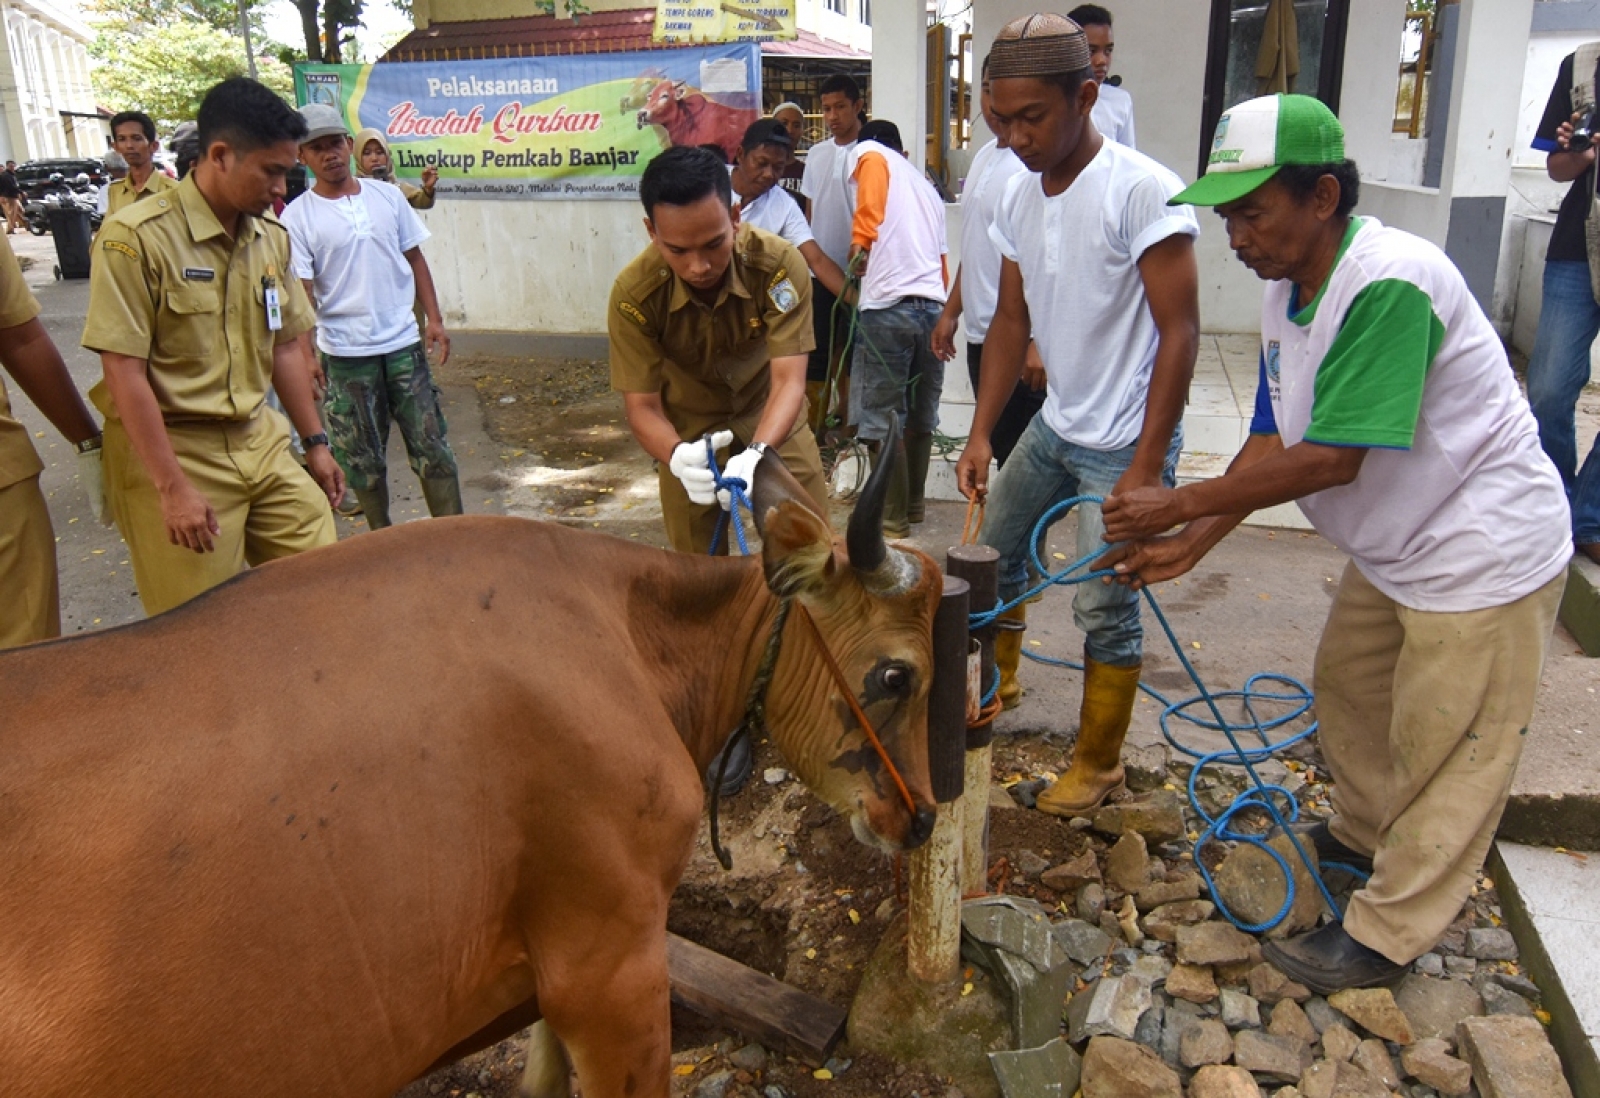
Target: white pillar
x=900 y=71
x=1485 y=97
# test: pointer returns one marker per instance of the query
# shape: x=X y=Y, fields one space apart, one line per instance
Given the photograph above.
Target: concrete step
x=1551 y=901
x=1580 y=606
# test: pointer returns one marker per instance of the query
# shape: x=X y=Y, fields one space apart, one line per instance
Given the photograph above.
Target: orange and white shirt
x=899 y=218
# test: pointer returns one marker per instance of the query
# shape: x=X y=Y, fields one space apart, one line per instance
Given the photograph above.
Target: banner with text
x=544 y=127
x=687 y=21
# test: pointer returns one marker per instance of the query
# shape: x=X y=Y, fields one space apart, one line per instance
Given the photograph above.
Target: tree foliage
x=165 y=70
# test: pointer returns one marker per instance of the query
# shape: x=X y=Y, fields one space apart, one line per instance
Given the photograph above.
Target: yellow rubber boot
x=1096 y=771
x=1009 y=628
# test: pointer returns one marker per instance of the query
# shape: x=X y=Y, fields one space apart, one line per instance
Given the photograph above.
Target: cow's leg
x=617 y=1031
x=548 y=1075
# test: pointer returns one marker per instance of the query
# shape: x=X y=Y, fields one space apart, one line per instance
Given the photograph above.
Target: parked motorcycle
x=37 y=212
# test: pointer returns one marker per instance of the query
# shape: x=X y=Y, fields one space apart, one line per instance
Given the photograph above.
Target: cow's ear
x=679 y=90
x=796 y=542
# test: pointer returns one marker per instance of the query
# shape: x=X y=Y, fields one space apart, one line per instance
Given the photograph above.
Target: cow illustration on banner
x=545 y=127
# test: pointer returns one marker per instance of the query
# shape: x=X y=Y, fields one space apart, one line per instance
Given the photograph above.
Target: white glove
x=689 y=465
x=94 y=484
x=743 y=466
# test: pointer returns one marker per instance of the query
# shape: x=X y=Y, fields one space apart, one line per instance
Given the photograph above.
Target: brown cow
x=689 y=118
x=356 y=813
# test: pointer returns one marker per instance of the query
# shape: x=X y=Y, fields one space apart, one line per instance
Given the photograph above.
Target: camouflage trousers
x=364 y=395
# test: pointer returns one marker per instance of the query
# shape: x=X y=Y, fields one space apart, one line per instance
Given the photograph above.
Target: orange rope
x=969 y=532
x=855 y=708
x=988 y=713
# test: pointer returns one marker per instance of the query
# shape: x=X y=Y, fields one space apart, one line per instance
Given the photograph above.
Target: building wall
x=588 y=242
x=44 y=70
x=811 y=15
x=530 y=266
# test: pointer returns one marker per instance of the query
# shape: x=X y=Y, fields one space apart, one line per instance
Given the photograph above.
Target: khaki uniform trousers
x=1422 y=719
x=266 y=504
x=30 y=608
x=692 y=526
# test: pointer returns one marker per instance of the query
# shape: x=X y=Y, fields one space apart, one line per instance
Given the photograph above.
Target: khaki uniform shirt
x=18 y=459
x=168 y=286
x=710 y=362
x=122 y=194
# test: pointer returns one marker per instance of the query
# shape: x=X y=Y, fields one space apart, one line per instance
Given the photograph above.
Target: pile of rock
x=1169 y=1000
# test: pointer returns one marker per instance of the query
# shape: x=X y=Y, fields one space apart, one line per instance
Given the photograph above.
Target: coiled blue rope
x=1263 y=795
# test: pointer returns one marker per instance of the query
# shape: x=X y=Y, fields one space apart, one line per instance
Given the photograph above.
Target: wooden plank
x=783 y=1018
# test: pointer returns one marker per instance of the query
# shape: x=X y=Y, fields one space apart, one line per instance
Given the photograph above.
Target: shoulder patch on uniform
x=152 y=206
x=631 y=311
x=119 y=246
x=782 y=292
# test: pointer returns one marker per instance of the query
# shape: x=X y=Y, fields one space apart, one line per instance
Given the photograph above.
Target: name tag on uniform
x=199 y=274
x=274 y=312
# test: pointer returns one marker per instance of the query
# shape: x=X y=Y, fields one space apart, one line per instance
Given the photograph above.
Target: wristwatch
x=318 y=439
x=88 y=445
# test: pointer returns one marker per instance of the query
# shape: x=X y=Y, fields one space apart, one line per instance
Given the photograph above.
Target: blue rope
x=738 y=489
x=1263 y=795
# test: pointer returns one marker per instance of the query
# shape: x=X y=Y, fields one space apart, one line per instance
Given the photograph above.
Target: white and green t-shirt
x=1456 y=507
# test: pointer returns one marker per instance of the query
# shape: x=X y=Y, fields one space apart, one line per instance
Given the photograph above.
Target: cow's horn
x=865 y=537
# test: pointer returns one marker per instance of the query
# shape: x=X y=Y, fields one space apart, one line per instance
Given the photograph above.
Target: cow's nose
x=921 y=827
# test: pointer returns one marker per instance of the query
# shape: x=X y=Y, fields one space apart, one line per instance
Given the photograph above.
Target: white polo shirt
x=1456 y=507
x=826 y=185
x=1079 y=253
x=992 y=169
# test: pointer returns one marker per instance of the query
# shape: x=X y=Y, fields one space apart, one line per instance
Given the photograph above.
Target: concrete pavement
x=97 y=589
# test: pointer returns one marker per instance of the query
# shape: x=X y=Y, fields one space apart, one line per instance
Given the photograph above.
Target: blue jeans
x=1558 y=369
x=1043 y=470
x=894 y=370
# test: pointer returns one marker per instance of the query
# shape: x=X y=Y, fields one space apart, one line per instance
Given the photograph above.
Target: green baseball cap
x=1260 y=136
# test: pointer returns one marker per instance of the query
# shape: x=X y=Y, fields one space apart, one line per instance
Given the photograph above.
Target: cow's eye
x=895 y=678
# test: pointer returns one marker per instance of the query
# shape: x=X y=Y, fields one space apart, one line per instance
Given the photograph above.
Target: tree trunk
x=331 y=52
x=308 y=24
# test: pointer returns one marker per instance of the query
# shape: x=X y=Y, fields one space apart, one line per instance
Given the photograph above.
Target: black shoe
x=1328 y=848
x=740 y=762
x=1329 y=960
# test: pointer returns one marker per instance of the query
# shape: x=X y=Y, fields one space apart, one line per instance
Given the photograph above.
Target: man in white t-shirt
x=1386 y=407
x=977 y=283
x=1113 y=109
x=760 y=201
x=1103 y=274
x=826 y=186
x=357 y=246
x=897 y=242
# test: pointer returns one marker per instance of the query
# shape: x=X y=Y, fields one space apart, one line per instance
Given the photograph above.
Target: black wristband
x=318 y=439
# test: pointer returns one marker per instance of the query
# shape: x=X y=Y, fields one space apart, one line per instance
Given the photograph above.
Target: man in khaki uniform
x=194 y=313
x=710 y=331
x=133 y=135
x=29 y=606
